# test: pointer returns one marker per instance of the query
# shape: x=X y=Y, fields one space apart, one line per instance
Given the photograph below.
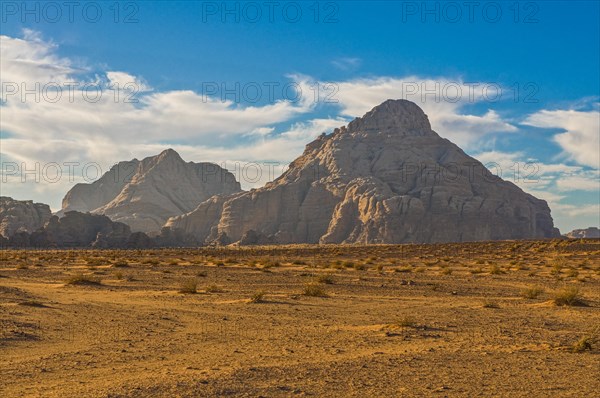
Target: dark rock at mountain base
x=175 y=237
x=253 y=238
x=221 y=240
x=139 y=240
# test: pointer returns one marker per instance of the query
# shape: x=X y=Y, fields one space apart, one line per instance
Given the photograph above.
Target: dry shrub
x=583 y=344
x=189 y=286
x=213 y=289
x=532 y=292
x=490 y=304
x=568 y=296
x=495 y=270
x=407 y=322
x=80 y=279
x=326 y=279
x=314 y=290
x=258 y=297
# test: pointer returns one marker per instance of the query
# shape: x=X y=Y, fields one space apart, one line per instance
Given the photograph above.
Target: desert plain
x=486 y=319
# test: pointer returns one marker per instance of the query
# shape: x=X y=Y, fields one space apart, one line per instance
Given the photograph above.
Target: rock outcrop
x=387 y=177
x=21 y=216
x=144 y=194
x=591 y=232
x=77 y=229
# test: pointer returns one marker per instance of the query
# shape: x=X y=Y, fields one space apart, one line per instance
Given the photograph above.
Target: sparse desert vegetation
x=189 y=286
x=258 y=297
x=569 y=295
x=81 y=279
x=314 y=290
x=499 y=316
x=532 y=292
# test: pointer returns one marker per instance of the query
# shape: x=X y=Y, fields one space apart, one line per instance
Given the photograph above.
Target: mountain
x=144 y=194
x=386 y=177
x=21 y=216
x=89 y=197
x=591 y=232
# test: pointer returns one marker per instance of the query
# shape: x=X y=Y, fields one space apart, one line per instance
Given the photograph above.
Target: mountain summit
x=387 y=177
x=144 y=194
x=400 y=117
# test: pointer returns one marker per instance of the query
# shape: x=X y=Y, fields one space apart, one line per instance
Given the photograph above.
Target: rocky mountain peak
x=167 y=154
x=387 y=177
x=400 y=117
x=166 y=159
x=158 y=187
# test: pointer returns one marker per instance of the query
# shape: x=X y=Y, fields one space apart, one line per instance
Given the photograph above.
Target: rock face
x=21 y=216
x=387 y=177
x=144 y=194
x=591 y=232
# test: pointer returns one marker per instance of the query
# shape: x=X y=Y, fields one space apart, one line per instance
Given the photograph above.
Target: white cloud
x=125 y=81
x=111 y=128
x=588 y=181
x=44 y=130
x=31 y=59
x=581 y=139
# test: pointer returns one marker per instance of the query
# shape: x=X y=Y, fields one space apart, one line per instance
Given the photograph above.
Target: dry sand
x=395 y=321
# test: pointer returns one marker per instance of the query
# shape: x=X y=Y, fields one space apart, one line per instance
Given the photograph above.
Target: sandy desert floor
x=504 y=319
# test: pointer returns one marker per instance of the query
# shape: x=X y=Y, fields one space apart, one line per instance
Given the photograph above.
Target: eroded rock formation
x=387 y=177
x=144 y=194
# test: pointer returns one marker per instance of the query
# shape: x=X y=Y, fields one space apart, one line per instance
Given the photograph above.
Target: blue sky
x=359 y=53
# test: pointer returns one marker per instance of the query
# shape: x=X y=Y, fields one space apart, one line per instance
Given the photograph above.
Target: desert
x=325 y=199
x=513 y=318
